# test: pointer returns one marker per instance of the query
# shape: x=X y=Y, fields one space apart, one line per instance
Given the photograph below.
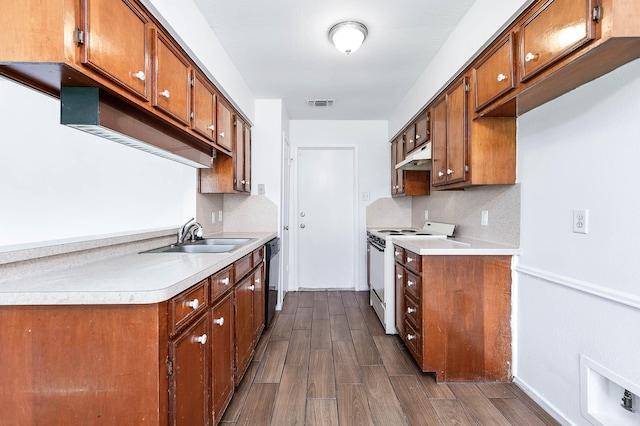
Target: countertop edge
x=463 y=247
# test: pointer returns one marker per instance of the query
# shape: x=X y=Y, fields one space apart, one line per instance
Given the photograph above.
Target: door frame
x=286 y=214
x=294 y=208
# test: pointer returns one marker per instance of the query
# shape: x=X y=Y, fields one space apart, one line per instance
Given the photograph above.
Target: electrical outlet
x=581 y=221
x=366 y=196
x=484 y=220
x=219 y=215
x=213 y=217
x=426 y=215
x=261 y=189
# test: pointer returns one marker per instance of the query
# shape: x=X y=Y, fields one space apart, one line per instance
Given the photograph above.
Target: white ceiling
x=281 y=49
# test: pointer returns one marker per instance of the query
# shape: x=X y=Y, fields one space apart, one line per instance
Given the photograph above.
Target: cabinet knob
x=200 y=339
x=165 y=93
x=530 y=57
x=140 y=75
x=411 y=336
x=396 y=253
x=243 y=181
x=502 y=77
x=252 y=287
x=193 y=304
x=410 y=140
x=410 y=283
x=224 y=281
x=418 y=137
x=221 y=134
x=399 y=276
x=247 y=183
x=411 y=310
x=257 y=281
x=219 y=321
x=449 y=171
x=440 y=174
x=409 y=259
x=212 y=127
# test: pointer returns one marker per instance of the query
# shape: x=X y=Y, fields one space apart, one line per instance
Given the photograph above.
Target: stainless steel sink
x=208 y=245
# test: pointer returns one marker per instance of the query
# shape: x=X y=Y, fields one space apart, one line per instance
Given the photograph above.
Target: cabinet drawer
x=242 y=266
x=413 y=284
x=412 y=261
x=187 y=305
x=555 y=29
x=258 y=256
x=413 y=340
x=398 y=253
x=494 y=75
x=412 y=312
x=423 y=131
x=220 y=282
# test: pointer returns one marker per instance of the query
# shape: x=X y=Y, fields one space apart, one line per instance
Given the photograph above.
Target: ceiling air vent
x=320 y=103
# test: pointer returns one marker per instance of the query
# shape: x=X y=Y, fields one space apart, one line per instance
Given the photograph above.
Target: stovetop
x=429 y=229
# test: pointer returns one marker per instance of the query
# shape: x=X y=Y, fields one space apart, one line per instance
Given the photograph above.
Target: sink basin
x=208 y=245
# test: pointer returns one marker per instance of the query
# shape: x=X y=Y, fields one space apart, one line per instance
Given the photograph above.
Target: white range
x=380 y=265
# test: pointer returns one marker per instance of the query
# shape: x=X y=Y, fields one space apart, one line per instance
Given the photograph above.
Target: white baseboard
x=542 y=402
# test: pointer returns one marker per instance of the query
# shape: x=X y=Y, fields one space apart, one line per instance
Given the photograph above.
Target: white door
x=285 y=240
x=325 y=217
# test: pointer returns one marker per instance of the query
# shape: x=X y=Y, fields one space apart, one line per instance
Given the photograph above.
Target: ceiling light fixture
x=348 y=36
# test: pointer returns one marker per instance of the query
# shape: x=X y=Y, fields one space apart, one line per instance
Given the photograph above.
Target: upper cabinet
x=121 y=48
x=115 y=43
x=494 y=73
x=555 y=29
x=171 y=85
x=423 y=129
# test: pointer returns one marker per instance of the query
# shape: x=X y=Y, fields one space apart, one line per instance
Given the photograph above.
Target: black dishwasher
x=272 y=260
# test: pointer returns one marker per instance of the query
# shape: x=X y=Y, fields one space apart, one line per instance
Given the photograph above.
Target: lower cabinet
x=454 y=314
x=167 y=363
x=188 y=383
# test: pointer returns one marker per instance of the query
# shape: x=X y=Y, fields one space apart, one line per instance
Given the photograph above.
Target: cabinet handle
x=502 y=77
x=212 y=127
x=410 y=283
x=418 y=137
x=411 y=310
x=219 y=321
x=449 y=171
x=409 y=259
x=140 y=75
x=440 y=174
x=411 y=336
x=200 y=339
x=224 y=281
x=252 y=287
x=257 y=281
x=399 y=276
x=193 y=304
x=530 y=57
x=221 y=134
x=410 y=140
x=243 y=181
x=396 y=253
x=165 y=93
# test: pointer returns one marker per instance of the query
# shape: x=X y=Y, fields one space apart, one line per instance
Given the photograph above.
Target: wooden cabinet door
x=439 y=142
x=171 y=81
x=423 y=133
x=204 y=108
x=457 y=113
x=243 y=326
x=400 y=156
x=394 y=175
x=494 y=75
x=116 y=43
x=258 y=301
x=224 y=120
x=222 y=359
x=410 y=139
x=554 y=30
x=239 y=179
x=247 y=158
x=189 y=383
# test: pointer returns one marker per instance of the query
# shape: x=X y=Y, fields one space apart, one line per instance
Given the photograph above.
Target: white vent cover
x=320 y=103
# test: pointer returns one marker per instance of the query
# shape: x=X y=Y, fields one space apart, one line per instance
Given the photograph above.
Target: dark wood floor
x=325 y=360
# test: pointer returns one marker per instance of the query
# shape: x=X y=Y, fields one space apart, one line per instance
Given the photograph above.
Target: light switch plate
x=484 y=220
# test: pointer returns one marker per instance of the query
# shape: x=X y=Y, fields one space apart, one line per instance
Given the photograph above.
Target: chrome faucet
x=192 y=228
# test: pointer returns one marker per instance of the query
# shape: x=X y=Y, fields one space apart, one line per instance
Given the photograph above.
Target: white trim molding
x=624 y=298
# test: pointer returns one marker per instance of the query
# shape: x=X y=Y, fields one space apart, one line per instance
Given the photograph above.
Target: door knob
x=286 y=228
x=302 y=214
x=302 y=225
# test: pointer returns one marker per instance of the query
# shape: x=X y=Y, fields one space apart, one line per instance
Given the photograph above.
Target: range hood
x=94 y=111
x=419 y=159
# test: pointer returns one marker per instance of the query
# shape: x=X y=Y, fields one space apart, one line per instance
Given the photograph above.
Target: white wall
x=58 y=183
x=579 y=294
x=370 y=138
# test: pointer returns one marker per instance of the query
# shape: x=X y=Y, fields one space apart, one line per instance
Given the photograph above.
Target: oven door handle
x=376 y=246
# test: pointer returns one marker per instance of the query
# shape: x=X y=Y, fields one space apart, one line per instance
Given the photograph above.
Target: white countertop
x=456 y=246
x=131 y=279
